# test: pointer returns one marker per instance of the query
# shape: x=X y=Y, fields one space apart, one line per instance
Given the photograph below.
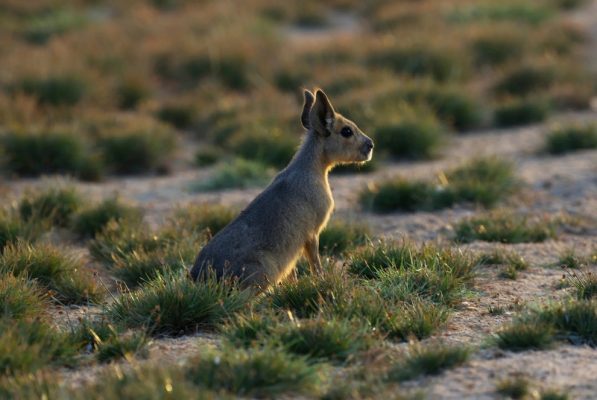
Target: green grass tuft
x=517 y=387
x=571 y=138
x=521 y=112
x=137 y=150
x=411 y=138
x=431 y=359
x=525 y=335
x=504 y=227
x=20 y=298
x=325 y=339
x=273 y=147
x=63 y=275
x=92 y=220
x=483 y=181
x=254 y=372
x=39 y=153
x=57 y=205
x=238 y=174
x=28 y=345
x=199 y=218
x=55 y=90
x=339 y=236
x=109 y=343
x=174 y=304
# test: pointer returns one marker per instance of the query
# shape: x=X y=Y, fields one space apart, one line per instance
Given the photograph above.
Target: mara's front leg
x=312 y=252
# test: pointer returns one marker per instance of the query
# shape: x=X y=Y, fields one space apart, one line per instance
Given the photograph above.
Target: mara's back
x=263 y=243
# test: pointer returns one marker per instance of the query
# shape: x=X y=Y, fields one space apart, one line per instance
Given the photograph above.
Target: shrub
x=201 y=217
x=94 y=219
x=412 y=139
x=525 y=335
x=54 y=204
x=267 y=146
x=62 y=274
x=255 y=372
x=54 y=91
x=20 y=298
x=431 y=359
x=585 y=284
x=28 y=345
x=521 y=112
x=571 y=138
x=339 y=236
x=174 y=304
x=239 y=173
x=137 y=151
x=181 y=116
x=34 y=154
x=501 y=226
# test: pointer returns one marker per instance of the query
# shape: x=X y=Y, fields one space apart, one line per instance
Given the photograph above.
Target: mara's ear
x=306 y=108
x=321 y=117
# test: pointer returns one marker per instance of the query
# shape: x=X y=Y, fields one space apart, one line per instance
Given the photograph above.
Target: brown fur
x=261 y=246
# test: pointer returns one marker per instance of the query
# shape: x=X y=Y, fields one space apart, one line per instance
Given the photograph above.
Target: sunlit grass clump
x=56 y=205
x=483 y=181
x=30 y=344
x=135 y=254
x=63 y=275
x=20 y=298
x=93 y=219
x=505 y=227
x=174 y=304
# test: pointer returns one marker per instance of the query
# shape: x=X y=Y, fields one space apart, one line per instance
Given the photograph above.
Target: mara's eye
x=346 y=132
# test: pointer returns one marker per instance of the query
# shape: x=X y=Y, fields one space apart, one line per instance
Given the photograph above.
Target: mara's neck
x=311 y=156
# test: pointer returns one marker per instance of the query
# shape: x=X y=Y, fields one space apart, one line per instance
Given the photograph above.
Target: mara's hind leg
x=312 y=252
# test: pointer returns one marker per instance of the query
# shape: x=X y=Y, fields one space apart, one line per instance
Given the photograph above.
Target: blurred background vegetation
x=94 y=88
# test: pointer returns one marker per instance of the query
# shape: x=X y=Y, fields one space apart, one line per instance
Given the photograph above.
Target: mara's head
x=343 y=141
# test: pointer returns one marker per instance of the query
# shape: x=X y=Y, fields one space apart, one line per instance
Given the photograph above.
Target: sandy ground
x=565 y=185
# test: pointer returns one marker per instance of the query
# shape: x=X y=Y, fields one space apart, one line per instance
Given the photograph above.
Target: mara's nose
x=369 y=144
